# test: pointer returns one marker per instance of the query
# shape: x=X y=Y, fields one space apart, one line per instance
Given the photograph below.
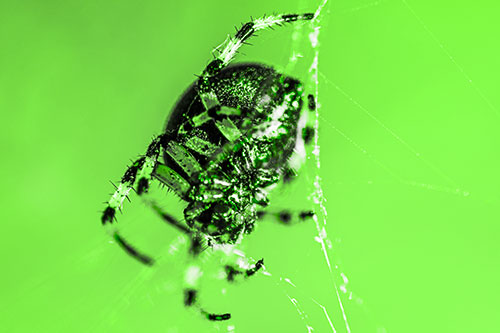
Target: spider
x=228 y=140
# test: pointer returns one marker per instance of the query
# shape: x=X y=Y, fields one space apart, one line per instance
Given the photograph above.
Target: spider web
x=333 y=289
x=131 y=298
x=332 y=308
x=317 y=313
x=339 y=282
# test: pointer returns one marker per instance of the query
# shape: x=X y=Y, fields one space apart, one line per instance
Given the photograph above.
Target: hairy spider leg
x=167 y=176
x=227 y=51
x=142 y=170
x=190 y=295
x=231 y=45
x=139 y=172
x=139 y=175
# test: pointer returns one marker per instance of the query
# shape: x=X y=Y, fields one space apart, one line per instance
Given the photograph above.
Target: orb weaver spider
x=228 y=139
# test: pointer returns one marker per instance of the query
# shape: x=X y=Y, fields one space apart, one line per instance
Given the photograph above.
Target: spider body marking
x=238 y=150
x=228 y=139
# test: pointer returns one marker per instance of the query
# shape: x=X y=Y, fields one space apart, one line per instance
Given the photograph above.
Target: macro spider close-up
x=275 y=166
x=230 y=138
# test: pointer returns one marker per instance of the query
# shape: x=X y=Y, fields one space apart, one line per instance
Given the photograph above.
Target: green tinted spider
x=229 y=139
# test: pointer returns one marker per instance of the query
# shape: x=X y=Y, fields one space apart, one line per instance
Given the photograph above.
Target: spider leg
x=147 y=166
x=308 y=134
x=231 y=272
x=200 y=145
x=183 y=158
x=145 y=259
x=308 y=131
x=286 y=217
x=190 y=299
x=139 y=172
x=196 y=241
x=228 y=49
x=190 y=294
x=167 y=217
x=311 y=102
x=172 y=179
x=132 y=251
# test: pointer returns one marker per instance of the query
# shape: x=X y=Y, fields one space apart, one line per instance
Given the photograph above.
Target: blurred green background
x=409 y=135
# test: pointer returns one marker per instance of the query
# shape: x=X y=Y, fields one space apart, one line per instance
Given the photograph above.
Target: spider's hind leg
x=190 y=299
x=191 y=294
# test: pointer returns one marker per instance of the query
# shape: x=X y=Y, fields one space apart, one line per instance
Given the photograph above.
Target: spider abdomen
x=258 y=93
x=236 y=86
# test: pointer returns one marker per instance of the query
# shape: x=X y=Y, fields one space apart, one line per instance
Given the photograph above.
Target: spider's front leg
x=232 y=44
x=138 y=173
x=228 y=49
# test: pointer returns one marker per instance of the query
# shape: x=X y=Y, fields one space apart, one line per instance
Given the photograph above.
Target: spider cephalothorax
x=228 y=139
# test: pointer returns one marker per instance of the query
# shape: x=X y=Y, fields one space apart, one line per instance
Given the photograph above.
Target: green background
x=409 y=135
